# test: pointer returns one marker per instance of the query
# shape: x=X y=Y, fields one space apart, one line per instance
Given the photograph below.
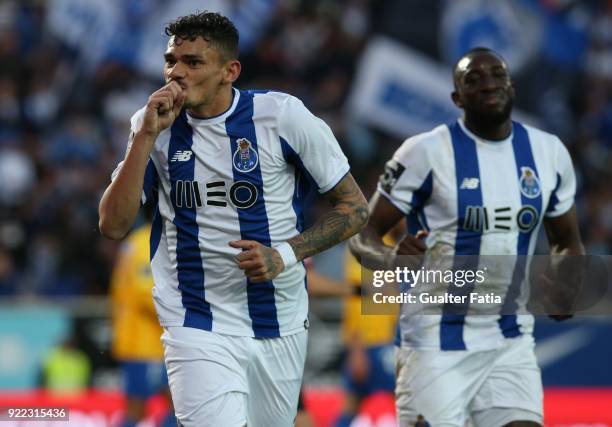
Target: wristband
x=286 y=253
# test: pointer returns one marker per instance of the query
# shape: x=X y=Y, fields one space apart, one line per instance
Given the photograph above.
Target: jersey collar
x=219 y=117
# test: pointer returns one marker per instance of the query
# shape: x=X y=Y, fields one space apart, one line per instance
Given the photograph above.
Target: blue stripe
x=253 y=220
x=523 y=157
x=416 y=218
x=413 y=223
x=553 y=201
x=467 y=242
x=190 y=271
x=423 y=220
x=156 y=232
x=304 y=183
x=151 y=180
x=260 y=91
x=422 y=194
x=397 y=339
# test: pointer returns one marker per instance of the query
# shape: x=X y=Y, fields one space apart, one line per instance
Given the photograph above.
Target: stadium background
x=72 y=72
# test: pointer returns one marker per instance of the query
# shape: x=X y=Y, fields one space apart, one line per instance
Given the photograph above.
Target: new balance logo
x=181 y=156
x=469 y=184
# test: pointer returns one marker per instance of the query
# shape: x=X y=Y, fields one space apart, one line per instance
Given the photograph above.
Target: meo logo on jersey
x=241 y=194
x=529 y=183
x=245 y=157
x=182 y=156
x=477 y=218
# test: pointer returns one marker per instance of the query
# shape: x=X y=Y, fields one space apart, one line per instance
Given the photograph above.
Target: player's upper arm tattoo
x=348 y=215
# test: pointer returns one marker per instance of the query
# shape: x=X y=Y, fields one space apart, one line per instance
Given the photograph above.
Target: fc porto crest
x=529 y=183
x=245 y=157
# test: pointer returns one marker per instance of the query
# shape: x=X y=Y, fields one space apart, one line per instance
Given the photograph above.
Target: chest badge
x=245 y=157
x=529 y=183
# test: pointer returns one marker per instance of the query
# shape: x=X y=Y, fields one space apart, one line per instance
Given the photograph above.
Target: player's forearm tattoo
x=348 y=215
x=273 y=262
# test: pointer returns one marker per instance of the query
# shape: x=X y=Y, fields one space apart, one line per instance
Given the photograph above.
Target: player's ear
x=231 y=71
x=512 y=88
x=456 y=99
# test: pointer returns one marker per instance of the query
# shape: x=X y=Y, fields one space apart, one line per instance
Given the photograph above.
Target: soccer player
x=229 y=170
x=510 y=178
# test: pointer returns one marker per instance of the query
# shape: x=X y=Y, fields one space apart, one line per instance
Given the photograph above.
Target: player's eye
x=194 y=63
x=499 y=72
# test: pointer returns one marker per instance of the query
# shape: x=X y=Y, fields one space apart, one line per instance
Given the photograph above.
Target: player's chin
x=187 y=103
x=496 y=115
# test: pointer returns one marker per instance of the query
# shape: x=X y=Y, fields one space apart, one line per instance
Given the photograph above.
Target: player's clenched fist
x=407 y=252
x=412 y=245
x=260 y=263
x=163 y=108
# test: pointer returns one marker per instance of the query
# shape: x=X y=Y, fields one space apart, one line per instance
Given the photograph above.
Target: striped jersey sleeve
x=407 y=179
x=562 y=197
x=151 y=180
x=311 y=144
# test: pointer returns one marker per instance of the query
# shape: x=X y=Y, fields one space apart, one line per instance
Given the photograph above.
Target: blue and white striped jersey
x=477 y=197
x=241 y=175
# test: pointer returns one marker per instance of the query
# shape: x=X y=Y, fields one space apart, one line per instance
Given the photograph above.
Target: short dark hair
x=215 y=28
x=481 y=49
x=476 y=50
x=472 y=52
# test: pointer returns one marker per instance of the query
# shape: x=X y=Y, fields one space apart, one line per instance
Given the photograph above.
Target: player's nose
x=180 y=81
x=489 y=83
x=176 y=72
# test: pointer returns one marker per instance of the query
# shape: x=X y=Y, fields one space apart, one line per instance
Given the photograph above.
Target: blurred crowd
x=65 y=109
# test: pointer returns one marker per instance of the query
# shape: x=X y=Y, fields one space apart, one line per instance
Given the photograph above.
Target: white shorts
x=230 y=381
x=491 y=387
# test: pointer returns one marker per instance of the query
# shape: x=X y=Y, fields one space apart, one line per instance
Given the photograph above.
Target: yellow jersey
x=136 y=329
x=368 y=330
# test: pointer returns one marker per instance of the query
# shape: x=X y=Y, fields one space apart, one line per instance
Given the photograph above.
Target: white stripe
x=224 y=282
x=279 y=184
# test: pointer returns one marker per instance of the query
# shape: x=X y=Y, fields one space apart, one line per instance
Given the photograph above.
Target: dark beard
x=487 y=120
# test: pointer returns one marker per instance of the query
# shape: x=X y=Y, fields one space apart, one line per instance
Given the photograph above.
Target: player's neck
x=486 y=130
x=219 y=105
